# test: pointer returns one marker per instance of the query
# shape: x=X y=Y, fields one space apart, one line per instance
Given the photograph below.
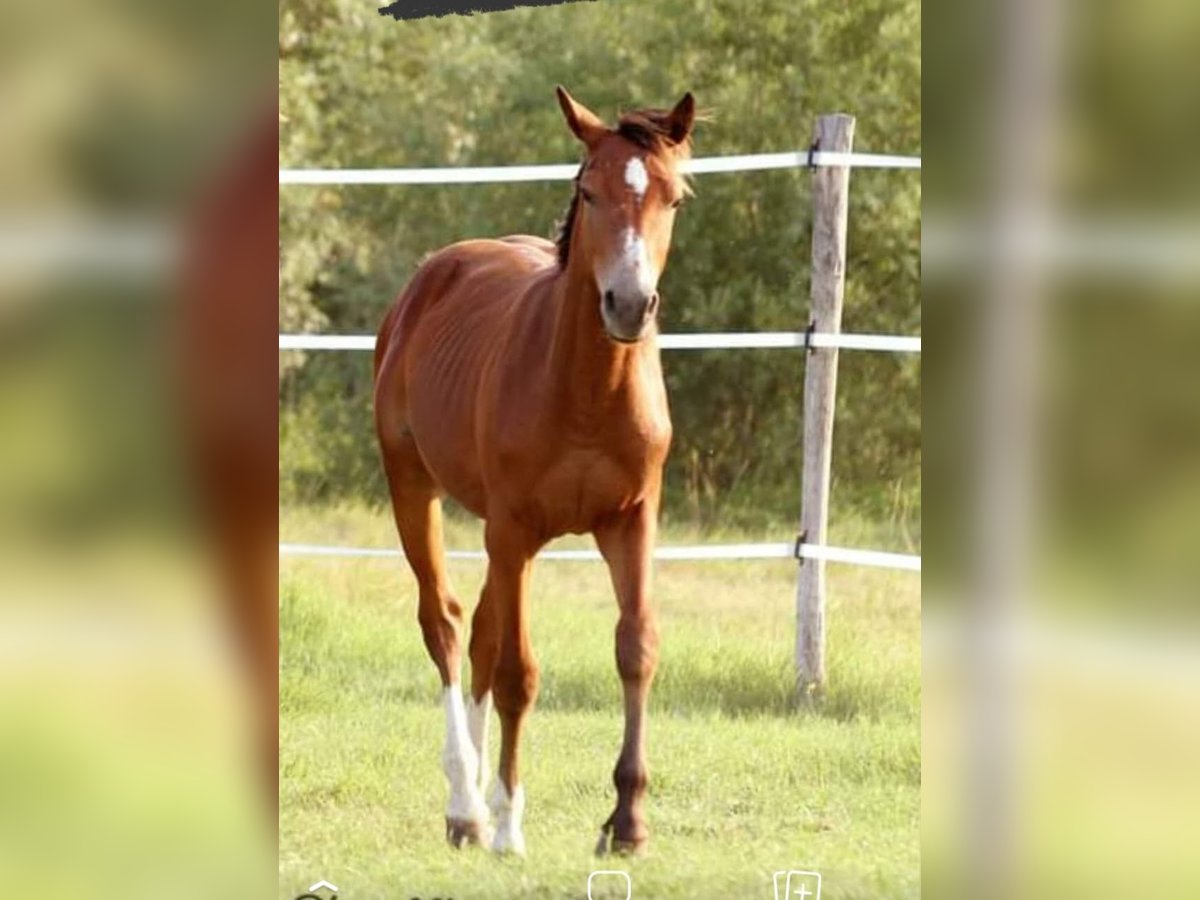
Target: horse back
x=468 y=278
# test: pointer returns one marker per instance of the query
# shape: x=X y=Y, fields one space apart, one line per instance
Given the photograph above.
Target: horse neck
x=588 y=365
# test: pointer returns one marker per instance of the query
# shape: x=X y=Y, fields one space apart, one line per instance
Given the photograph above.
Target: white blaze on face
x=636 y=262
x=636 y=177
x=630 y=272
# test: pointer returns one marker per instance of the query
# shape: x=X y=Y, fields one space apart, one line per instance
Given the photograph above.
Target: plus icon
x=797 y=885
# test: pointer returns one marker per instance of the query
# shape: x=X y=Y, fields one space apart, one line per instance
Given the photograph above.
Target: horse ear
x=584 y=123
x=682 y=118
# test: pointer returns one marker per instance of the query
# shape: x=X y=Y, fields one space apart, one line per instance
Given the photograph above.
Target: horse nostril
x=652 y=306
x=609 y=301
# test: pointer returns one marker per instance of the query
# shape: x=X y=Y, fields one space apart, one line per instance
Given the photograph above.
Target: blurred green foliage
x=357 y=90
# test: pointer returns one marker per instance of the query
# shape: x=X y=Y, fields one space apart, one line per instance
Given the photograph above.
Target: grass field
x=742 y=783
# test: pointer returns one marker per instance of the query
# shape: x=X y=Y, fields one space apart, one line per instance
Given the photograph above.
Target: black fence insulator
x=812 y=152
x=808 y=335
x=800 y=541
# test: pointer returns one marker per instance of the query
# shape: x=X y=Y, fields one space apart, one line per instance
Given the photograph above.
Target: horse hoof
x=461 y=832
x=506 y=843
x=619 y=846
x=628 y=848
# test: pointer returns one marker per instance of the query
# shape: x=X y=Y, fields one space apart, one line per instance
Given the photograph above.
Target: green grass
x=742 y=782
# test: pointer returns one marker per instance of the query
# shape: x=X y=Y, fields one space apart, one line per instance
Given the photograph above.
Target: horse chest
x=577 y=476
x=584 y=485
x=568 y=455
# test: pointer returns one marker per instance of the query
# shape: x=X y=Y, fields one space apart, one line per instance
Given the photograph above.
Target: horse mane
x=563 y=239
x=649 y=129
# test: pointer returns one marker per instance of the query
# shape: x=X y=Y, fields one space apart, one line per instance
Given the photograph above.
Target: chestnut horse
x=522 y=377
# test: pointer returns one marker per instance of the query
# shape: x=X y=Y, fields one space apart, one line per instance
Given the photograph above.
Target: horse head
x=627 y=191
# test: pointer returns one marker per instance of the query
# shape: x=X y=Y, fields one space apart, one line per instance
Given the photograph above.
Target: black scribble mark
x=419 y=9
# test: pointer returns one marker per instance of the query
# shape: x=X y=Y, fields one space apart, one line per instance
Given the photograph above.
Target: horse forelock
x=650 y=129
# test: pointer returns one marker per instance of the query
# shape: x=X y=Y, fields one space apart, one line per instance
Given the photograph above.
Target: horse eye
x=587 y=195
x=675 y=204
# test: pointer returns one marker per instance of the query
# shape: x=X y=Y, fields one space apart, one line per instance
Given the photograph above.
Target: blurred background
x=1061 y=301
x=130 y=748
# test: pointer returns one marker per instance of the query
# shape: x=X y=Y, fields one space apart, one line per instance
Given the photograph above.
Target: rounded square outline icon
x=628 y=881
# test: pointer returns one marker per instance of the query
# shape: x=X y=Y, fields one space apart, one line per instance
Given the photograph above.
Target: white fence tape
x=878 y=558
x=446 y=175
x=893 y=343
x=757 y=162
x=849 y=555
x=725 y=341
x=754 y=162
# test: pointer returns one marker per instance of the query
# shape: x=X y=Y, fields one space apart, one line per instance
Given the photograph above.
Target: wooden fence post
x=830 y=197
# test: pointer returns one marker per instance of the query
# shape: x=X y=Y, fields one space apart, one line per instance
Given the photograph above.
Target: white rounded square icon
x=797 y=884
x=606 y=887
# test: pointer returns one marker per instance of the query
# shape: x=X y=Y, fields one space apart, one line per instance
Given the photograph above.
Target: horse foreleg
x=627 y=545
x=516 y=675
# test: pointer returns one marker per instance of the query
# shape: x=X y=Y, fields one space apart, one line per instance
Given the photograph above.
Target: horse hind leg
x=484 y=649
x=418 y=513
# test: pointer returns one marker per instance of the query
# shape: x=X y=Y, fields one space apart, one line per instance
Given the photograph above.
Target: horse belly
x=447 y=447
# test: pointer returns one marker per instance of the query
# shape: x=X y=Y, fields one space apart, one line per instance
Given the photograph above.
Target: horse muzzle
x=627 y=317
